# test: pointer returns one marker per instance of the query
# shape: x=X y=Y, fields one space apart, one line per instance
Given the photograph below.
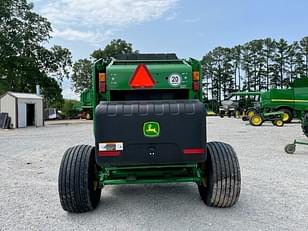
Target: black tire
x=290 y=115
x=245 y=118
x=290 y=148
x=305 y=124
x=222 y=185
x=78 y=188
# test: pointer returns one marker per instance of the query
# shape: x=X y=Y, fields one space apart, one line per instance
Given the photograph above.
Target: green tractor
x=254 y=115
x=276 y=118
x=86 y=104
x=149 y=127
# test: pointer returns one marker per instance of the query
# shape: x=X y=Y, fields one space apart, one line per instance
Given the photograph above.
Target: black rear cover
x=182 y=126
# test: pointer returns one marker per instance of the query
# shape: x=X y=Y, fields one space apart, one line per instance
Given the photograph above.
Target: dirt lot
x=274 y=185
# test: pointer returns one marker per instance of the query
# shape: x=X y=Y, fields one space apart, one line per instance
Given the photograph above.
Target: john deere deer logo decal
x=151 y=129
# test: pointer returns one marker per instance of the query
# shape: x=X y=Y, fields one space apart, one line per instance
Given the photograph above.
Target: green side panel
x=295 y=98
x=303 y=82
x=276 y=98
x=265 y=99
x=301 y=98
x=283 y=94
x=86 y=99
x=119 y=75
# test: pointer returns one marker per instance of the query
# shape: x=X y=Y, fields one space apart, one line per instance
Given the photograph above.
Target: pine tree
x=269 y=48
x=280 y=59
x=304 y=50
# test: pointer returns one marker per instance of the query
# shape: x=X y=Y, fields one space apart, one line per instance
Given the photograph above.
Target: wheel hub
x=256 y=120
x=279 y=123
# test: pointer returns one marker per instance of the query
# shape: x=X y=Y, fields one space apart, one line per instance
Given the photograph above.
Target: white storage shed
x=23 y=108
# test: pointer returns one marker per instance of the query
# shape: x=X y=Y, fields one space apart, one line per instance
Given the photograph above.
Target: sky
x=189 y=28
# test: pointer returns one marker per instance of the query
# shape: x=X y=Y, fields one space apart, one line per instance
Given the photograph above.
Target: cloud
x=97 y=20
x=78 y=35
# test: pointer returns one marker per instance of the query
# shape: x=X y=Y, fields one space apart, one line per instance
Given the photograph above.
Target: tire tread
x=73 y=182
x=224 y=183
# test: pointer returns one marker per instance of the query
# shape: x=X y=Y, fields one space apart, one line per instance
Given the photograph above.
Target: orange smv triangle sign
x=142 y=78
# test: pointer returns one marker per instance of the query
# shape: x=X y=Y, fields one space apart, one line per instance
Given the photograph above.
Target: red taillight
x=196 y=85
x=109 y=153
x=196 y=80
x=102 y=82
x=192 y=151
x=142 y=78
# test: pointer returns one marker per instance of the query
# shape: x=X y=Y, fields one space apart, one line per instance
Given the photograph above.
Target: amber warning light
x=102 y=82
x=142 y=78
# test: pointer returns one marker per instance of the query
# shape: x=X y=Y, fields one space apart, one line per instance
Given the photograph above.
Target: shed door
x=22 y=115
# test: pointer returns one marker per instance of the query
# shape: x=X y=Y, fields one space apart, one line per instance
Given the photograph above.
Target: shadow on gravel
x=148 y=191
x=151 y=196
x=299 y=153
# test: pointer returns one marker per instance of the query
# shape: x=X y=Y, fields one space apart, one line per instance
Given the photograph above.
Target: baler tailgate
x=152 y=132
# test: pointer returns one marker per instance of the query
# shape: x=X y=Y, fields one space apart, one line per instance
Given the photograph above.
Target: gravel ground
x=274 y=185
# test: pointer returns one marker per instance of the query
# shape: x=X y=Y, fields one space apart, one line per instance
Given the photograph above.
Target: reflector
x=196 y=85
x=102 y=87
x=142 y=78
x=191 y=151
x=109 y=153
x=102 y=77
x=102 y=82
x=196 y=76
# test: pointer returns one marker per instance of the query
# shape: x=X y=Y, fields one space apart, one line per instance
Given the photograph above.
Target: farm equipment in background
x=149 y=127
x=228 y=108
x=86 y=104
x=259 y=118
x=291 y=148
x=293 y=102
x=238 y=102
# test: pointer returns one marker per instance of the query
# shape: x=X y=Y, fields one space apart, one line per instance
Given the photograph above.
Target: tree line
x=255 y=66
x=24 y=60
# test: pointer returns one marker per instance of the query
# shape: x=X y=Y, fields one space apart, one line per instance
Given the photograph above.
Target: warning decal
x=175 y=80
